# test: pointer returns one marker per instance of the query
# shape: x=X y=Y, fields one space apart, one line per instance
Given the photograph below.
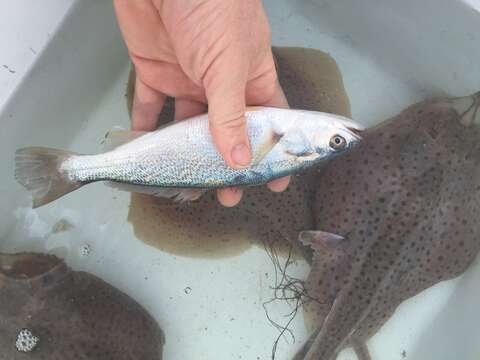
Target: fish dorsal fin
x=117 y=137
x=320 y=240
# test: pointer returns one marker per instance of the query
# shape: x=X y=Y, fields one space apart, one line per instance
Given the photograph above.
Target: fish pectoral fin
x=265 y=146
x=175 y=194
x=296 y=143
x=320 y=240
x=117 y=137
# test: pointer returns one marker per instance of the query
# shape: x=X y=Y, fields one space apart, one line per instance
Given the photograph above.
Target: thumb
x=226 y=113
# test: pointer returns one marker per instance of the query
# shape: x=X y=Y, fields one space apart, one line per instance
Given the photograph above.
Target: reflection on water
x=311 y=80
x=56 y=313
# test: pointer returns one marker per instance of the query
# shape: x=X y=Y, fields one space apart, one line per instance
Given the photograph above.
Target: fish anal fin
x=175 y=194
x=320 y=240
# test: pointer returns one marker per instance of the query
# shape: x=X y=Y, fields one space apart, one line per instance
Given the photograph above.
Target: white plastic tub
x=391 y=54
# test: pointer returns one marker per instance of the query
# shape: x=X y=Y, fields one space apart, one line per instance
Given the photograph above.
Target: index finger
x=147 y=105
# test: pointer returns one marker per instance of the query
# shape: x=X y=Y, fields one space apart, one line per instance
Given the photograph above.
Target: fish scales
x=183 y=155
x=180 y=156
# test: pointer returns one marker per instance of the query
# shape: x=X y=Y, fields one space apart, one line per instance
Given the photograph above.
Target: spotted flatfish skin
x=406 y=202
x=74 y=314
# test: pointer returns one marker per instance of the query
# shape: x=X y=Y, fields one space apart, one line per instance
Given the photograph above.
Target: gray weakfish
x=180 y=161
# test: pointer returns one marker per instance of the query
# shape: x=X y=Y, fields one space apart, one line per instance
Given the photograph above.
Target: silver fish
x=311 y=80
x=180 y=160
x=398 y=215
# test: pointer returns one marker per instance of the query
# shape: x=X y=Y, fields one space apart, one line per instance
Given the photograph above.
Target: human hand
x=211 y=51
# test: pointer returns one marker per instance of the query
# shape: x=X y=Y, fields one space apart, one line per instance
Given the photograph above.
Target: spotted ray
x=397 y=215
x=49 y=312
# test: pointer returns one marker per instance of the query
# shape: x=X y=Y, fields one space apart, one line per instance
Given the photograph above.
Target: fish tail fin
x=38 y=170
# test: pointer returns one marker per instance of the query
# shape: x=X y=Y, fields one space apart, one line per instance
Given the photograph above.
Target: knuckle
x=262 y=88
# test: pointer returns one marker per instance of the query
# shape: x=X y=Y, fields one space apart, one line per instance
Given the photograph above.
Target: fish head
x=335 y=136
x=317 y=136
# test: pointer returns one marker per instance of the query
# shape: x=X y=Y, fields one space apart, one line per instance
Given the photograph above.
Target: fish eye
x=338 y=142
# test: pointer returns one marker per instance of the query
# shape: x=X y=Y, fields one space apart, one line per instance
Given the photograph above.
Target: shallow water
x=204 y=298
x=213 y=291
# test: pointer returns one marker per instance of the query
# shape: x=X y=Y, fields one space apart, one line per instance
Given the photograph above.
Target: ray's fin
x=467 y=108
x=320 y=240
x=327 y=275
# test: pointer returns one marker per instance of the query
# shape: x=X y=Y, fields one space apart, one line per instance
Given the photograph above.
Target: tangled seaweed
x=287 y=288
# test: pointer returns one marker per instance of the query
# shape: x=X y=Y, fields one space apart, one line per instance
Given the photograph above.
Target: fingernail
x=241 y=155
